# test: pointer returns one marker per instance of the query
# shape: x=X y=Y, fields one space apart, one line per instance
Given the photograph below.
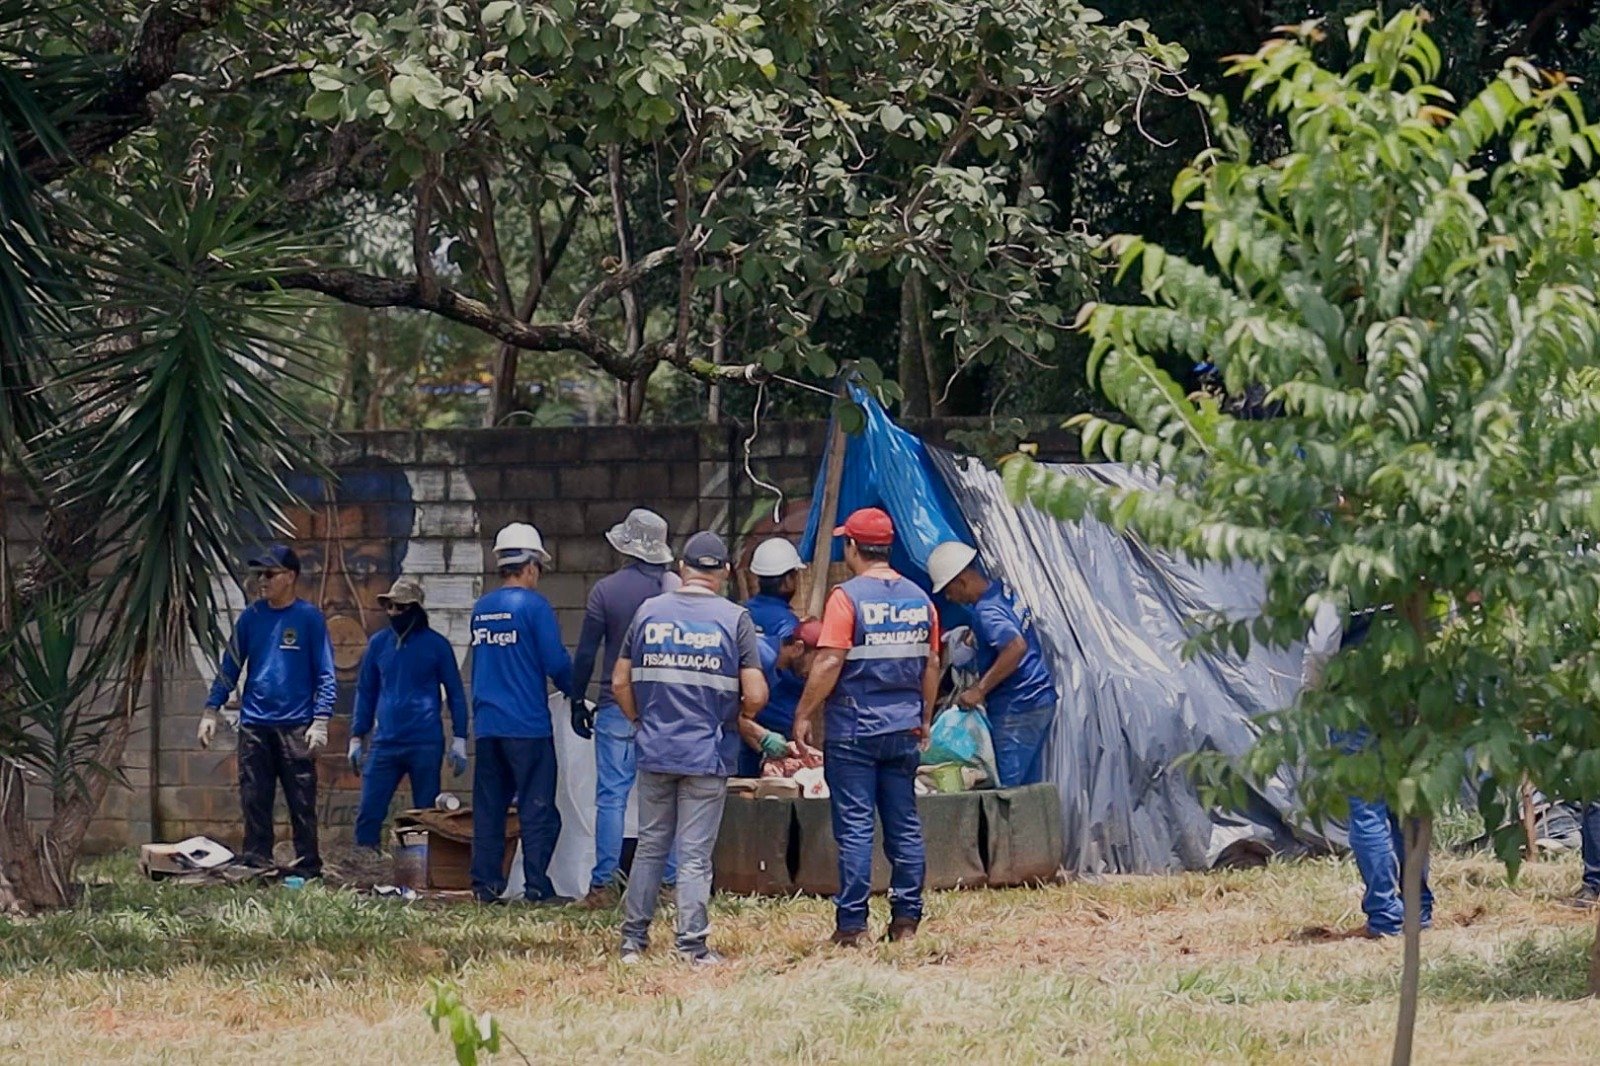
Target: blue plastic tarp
x=884 y=466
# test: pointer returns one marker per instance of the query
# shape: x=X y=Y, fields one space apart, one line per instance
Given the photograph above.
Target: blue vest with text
x=880 y=688
x=685 y=657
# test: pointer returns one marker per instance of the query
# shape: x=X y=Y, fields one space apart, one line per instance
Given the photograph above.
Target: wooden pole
x=822 y=551
x=1529 y=822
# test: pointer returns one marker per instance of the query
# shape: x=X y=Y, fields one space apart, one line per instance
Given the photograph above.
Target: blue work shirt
x=783 y=687
x=997 y=620
x=516 y=655
x=290 y=660
x=775 y=620
x=612 y=603
x=399 y=685
x=770 y=613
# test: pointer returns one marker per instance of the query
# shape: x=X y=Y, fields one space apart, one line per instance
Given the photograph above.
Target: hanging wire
x=755 y=429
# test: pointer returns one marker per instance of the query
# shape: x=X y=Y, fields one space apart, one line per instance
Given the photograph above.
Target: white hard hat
x=774 y=558
x=947 y=560
x=520 y=542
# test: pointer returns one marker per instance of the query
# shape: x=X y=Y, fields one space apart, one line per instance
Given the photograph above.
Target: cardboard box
x=445 y=840
x=159 y=861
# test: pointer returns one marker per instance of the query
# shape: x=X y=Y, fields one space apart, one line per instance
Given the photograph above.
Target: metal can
x=447 y=801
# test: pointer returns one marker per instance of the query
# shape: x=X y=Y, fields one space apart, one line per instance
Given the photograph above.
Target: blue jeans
x=863 y=774
x=521 y=769
x=380 y=777
x=1019 y=738
x=614 y=772
x=1377 y=843
x=1591 y=845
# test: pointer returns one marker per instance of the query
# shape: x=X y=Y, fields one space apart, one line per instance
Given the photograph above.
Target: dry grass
x=1193 y=968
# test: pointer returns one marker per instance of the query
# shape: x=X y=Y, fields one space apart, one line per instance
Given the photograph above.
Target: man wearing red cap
x=876 y=675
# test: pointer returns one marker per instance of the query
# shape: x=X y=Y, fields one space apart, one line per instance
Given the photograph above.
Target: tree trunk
x=24 y=883
x=37 y=867
x=1418 y=839
x=915 y=388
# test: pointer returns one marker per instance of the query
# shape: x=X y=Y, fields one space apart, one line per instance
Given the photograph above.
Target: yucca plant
x=1412 y=288
x=143 y=349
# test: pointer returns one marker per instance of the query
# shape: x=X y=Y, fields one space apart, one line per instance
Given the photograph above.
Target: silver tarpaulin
x=1113 y=616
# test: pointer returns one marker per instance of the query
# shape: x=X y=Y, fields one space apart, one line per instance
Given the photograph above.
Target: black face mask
x=408 y=619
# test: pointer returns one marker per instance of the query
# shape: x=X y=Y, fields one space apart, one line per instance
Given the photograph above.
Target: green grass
x=1180 y=969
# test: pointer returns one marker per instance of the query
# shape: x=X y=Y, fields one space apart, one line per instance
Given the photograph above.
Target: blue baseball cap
x=277 y=557
x=705 y=551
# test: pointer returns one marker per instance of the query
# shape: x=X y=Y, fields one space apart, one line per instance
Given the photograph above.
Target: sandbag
x=1024 y=834
x=752 y=852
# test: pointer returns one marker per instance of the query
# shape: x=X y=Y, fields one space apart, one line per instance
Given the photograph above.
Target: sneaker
x=701 y=957
x=903 y=928
x=1587 y=896
x=853 y=938
x=551 y=901
x=632 y=954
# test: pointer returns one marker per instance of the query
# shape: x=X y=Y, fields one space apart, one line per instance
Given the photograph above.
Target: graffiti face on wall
x=353 y=537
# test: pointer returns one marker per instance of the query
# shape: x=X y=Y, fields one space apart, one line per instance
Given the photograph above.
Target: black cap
x=277 y=557
x=706 y=551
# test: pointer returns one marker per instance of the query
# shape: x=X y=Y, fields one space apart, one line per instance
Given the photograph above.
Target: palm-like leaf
x=179 y=431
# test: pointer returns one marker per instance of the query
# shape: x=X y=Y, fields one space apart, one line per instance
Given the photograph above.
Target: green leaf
x=495 y=12
x=324 y=106
x=891 y=117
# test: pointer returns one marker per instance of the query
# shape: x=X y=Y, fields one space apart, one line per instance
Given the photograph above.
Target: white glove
x=230 y=715
x=317 y=734
x=458 y=756
x=208 y=727
x=353 y=753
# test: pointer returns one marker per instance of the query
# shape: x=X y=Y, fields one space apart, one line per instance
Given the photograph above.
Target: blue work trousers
x=1378 y=844
x=1019 y=738
x=521 y=769
x=1590 y=835
x=866 y=774
x=380 y=778
x=614 y=773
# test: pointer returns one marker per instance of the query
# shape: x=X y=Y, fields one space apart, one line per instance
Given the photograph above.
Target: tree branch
x=348 y=148
x=370 y=290
x=489 y=242
x=422 y=227
x=621 y=281
x=122 y=106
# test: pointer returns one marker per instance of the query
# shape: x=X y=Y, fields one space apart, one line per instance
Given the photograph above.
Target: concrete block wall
x=429 y=504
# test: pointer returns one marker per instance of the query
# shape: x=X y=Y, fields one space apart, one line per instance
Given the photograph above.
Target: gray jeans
x=681 y=810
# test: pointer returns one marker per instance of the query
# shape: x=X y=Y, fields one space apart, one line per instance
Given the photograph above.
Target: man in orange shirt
x=876 y=674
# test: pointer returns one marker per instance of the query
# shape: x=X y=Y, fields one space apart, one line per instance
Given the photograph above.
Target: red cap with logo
x=869 y=525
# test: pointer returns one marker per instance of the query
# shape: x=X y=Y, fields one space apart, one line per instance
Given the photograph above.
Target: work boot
x=599 y=898
x=903 y=928
x=851 y=938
